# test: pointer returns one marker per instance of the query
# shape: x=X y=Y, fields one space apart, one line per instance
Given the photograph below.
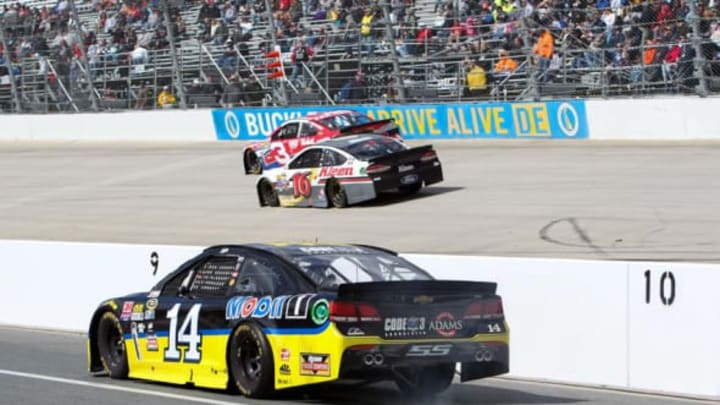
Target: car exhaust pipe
x=369 y=359
x=379 y=359
x=483 y=355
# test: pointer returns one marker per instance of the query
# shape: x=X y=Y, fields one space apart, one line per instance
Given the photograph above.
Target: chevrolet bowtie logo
x=423 y=299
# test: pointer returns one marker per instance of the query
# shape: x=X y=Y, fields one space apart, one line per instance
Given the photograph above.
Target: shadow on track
x=385 y=394
x=396 y=197
x=381 y=393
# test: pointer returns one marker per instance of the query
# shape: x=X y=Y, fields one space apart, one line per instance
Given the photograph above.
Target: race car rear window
x=368 y=148
x=331 y=270
x=345 y=120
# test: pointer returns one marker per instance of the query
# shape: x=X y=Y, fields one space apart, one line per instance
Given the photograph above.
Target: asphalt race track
x=583 y=199
x=49 y=368
x=655 y=201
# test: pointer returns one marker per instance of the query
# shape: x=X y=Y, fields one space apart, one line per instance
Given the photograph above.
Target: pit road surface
x=653 y=201
x=39 y=367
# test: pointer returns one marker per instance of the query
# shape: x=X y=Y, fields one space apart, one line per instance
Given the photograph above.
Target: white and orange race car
x=349 y=170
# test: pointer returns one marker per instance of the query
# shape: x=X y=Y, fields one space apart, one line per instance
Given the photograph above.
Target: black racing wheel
x=111 y=346
x=252 y=163
x=411 y=188
x=336 y=194
x=423 y=382
x=250 y=361
x=268 y=196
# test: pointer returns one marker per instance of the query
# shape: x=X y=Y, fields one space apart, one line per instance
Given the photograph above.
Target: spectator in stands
x=354 y=89
x=544 y=49
x=300 y=53
x=505 y=64
x=233 y=94
x=166 y=99
x=143 y=95
x=366 y=32
x=219 y=32
x=424 y=36
x=140 y=55
x=196 y=89
x=208 y=11
x=475 y=80
x=180 y=30
x=153 y=20
x=246 y=26
x=229 y=57
x=651 y=59
x=229 y=13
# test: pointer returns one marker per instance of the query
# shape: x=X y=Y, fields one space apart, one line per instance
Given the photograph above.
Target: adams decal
x=445 y=324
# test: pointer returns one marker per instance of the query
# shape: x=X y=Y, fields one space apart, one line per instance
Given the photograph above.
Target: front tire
x=424 y=382
x=268 y=196
x=250 y=361
x=111 y=346
x=336 y=194
x=252 y=163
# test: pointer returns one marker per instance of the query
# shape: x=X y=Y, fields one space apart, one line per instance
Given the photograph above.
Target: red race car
x=296 y=134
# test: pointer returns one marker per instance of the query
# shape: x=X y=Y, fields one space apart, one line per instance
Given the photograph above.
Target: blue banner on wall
x=526 y=120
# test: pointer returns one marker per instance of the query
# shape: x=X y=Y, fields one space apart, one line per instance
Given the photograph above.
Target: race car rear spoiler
x=386 y=125
x=384 y=290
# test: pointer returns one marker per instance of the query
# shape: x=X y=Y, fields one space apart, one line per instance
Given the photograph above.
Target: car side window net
x=213 y=277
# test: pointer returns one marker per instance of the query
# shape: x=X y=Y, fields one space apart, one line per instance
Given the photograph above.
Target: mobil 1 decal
x=290 y=307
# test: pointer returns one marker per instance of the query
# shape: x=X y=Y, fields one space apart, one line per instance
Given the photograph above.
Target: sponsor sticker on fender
x=138 y=312
x=334 y=171
x=127 y=310
x=152 y=344
x=284 y=354
x=315 y=364
x=280 y=307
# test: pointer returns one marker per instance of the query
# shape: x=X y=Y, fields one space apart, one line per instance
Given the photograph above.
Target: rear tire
x=111 y=346
x=336 y=194
x=423 y=382
x=250 y=362
x=411 y=189
x=252 y=163
x=268 y=195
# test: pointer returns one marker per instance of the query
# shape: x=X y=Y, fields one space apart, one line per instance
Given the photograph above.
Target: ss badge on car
x=428 y=350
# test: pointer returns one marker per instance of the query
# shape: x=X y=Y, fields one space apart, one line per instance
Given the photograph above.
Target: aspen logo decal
x=315 y=364
x=336 y=171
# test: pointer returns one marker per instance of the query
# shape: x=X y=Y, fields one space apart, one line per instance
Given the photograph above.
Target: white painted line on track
x=110 y=387
x=607 y=390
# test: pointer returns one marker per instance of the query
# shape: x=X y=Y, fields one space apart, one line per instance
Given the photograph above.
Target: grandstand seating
x=435 y=72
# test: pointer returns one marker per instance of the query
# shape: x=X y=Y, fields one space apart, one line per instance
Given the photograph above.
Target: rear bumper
x=478 y=359
x=429 y=173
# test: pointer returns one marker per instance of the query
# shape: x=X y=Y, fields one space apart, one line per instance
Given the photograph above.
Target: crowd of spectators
x=643 y=40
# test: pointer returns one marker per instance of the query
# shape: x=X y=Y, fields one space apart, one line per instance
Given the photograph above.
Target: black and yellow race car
x=261 y=318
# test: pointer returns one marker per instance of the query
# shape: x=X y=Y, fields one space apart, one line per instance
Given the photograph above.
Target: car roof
x=290 y=251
